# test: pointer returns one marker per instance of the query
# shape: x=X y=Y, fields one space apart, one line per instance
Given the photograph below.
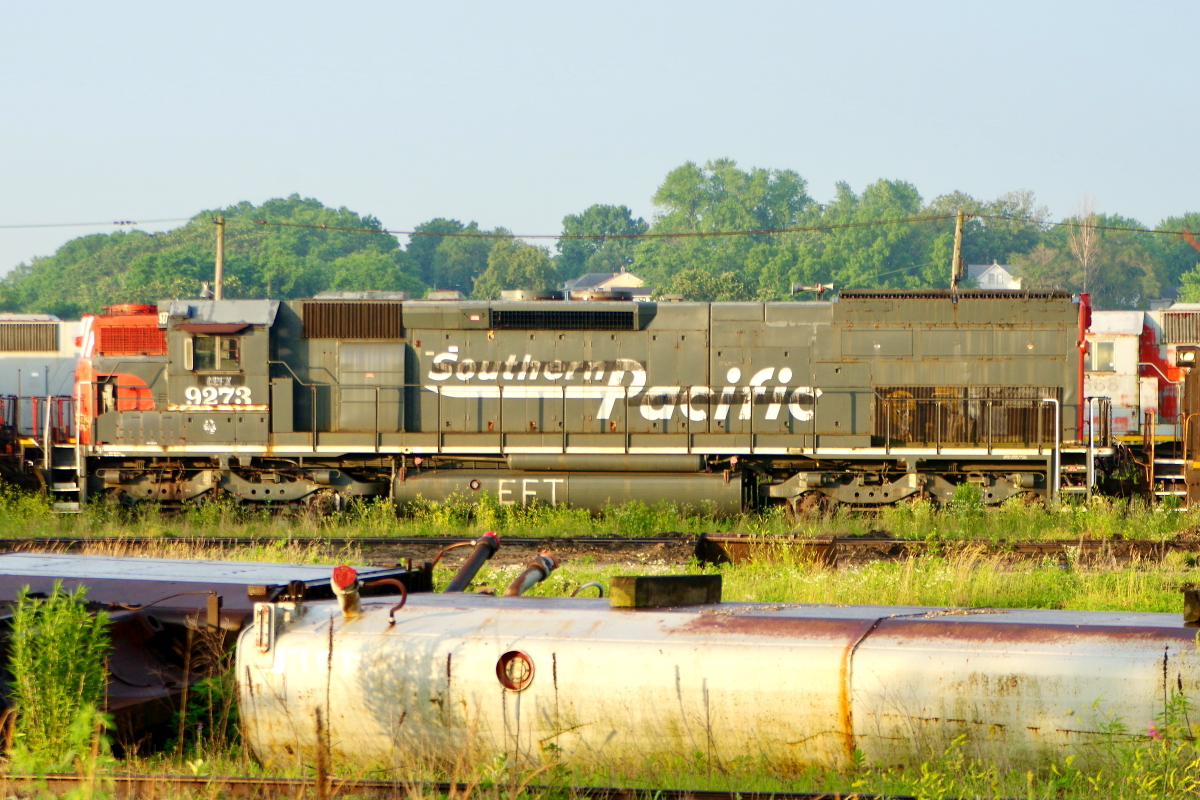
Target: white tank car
x=578 y=681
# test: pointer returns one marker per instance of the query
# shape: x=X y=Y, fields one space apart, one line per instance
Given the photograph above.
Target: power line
x=120 y=223
x=707 y=234
x=561 y=237
x=647 y=235
x=1076 y=224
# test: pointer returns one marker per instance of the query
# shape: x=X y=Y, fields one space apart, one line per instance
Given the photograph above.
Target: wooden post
x=220 y=276
x=957 y=257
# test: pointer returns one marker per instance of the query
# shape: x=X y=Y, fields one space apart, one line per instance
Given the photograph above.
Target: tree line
x=887 y=236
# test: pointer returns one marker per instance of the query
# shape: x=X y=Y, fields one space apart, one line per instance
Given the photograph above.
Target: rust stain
x=945 y=630
x=845 y=675
x=810 y=628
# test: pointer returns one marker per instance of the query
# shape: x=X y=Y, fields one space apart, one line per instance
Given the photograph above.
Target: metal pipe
x=485 y=547
x=1091 y=451
x=1056 y=455
x=535 y=572
x=345 y=587
x=403 y=596
x=593 y=585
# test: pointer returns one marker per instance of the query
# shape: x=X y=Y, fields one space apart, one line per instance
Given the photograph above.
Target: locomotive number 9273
x=218 y=395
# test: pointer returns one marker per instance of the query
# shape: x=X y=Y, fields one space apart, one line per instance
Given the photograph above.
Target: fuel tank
x=577 y=681
x=719 y=493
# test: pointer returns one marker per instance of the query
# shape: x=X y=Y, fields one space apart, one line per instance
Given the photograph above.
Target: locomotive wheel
x=812 y=504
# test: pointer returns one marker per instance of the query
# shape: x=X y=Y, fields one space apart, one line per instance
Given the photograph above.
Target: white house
x=993 y=276
x=609 y=282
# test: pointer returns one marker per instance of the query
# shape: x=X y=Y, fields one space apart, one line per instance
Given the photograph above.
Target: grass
x=961 y=579
x=25 y=515
x=56 y=659
x=1164 y=764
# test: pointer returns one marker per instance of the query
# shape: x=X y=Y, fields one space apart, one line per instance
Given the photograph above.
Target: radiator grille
x=1182 y=328
x=352 y=320
x=565 y=320
x=130 y=340
x=965 y=414
x=39 y=337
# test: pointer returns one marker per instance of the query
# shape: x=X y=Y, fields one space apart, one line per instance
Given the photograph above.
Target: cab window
x=216 y=352
x=1100 y=358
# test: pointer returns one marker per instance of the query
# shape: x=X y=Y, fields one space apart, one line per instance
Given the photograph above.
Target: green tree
x=1177 y=257
x=580 y=256
x=460 y=260
x=423 y=246
x=719 y=197
x=1124 y=270
x=371 y=270
x=868 y=244
x=703 y=286
x=512 y=264
x=261 y=260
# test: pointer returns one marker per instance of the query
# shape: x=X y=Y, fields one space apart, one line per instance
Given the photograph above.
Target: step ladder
x=1168 y=478
x=1073 y=472
x=61 y=469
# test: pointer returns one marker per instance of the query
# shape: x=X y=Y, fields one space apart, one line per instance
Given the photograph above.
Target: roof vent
x=608 y=294
x=531 y=294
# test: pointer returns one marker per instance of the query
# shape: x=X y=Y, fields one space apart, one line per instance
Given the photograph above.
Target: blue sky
x=516 y=113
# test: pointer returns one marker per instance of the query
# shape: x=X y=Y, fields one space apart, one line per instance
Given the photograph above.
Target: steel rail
x=134 y=787
x=880 y=547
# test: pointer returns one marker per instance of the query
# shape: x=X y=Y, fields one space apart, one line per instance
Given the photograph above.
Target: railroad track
x=708 y=547
x=137 y=787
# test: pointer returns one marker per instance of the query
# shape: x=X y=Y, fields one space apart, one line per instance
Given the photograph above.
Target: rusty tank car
x=593 y=684
x=875 y=398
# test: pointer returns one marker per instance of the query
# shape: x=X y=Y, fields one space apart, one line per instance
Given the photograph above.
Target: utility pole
x=220 y=276
x=954 y=262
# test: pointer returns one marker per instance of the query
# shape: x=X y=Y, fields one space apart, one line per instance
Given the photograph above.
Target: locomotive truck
x=874 y=398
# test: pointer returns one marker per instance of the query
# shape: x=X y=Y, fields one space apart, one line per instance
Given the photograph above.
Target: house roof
x=975 y=270
x=589 y=281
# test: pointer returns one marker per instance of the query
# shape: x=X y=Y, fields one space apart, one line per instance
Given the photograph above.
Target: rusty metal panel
x=352 y=320
x=965 y=414
x=794 y=685
x=139 y=581
x=607 y=686
x=1181 y=327
x=1019 y=680
x=130 y=340
x=31 y=337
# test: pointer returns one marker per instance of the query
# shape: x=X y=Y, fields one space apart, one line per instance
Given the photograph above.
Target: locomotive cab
x=218 y=371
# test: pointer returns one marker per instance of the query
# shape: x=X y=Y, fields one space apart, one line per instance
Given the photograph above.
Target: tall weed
x=57 y=651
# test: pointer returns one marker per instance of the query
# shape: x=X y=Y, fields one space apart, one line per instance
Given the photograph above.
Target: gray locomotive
x=874 y=398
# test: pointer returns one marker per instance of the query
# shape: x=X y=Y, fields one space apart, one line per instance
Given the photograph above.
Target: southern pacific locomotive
x=874 y=398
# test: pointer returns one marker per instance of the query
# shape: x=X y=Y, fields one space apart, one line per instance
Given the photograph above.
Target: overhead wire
x=647 y=235
x=119 y=223
x=1077 y=224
